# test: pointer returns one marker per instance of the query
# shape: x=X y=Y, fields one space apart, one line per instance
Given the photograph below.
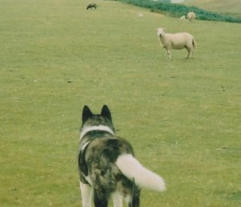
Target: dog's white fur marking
x=117 y=199
x=87 y=178
x=84 y=146
x=143 y=177
x=87 y=194
x=87 y=129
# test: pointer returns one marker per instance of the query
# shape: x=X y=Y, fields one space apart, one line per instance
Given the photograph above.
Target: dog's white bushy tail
x=143 y=177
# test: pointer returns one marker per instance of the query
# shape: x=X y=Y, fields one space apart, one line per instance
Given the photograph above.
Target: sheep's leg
x=169 y=54
x=189 y=52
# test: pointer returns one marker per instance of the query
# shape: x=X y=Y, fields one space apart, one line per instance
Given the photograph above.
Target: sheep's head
x=160 y=32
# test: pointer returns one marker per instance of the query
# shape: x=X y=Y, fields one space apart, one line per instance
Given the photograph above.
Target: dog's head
x=103 y=119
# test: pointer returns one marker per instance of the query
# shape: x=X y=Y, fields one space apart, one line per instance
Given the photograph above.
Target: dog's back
x=101 y=158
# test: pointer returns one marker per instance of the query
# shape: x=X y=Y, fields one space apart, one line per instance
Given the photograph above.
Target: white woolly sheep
x=191 y=16
x=182 y=17
x=176 y=41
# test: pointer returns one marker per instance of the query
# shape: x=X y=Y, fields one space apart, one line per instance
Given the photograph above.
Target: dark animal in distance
x=91 y=6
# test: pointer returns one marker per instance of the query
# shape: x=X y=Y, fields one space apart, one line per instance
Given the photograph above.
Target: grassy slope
x=230 y=7
x=182 y=117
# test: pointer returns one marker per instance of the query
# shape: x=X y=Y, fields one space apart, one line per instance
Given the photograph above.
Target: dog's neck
x=88 y=129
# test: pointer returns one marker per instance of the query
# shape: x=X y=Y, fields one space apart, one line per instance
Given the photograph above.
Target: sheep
x=176 y=41
x=182 y=17
x=191 y=16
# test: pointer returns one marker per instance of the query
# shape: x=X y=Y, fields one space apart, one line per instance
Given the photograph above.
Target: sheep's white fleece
x=176 y=41
x=191 y=16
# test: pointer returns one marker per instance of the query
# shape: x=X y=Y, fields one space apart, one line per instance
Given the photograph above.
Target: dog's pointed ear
x=86 y=113
x=106 y=112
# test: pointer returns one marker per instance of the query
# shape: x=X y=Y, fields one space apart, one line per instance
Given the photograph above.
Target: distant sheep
x=182 y=17
x=191 y=16
x=176 y=41
x=91 y=6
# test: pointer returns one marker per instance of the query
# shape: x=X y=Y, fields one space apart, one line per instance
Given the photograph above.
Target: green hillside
x=178 y=10
x=181 y=116
x=230 y=7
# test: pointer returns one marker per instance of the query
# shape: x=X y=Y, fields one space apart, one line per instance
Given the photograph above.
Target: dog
x=91 y=6
x=107 y=165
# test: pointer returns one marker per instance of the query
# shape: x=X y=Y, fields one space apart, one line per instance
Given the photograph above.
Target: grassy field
x=230 y=7
x=181 y=116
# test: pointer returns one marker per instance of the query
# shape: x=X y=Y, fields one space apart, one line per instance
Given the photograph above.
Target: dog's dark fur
x=107 y=164
x=91 y=6
x=98 y=158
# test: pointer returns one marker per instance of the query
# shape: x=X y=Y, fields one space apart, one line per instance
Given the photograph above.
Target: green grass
x=230 y=7
x=181 y=116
